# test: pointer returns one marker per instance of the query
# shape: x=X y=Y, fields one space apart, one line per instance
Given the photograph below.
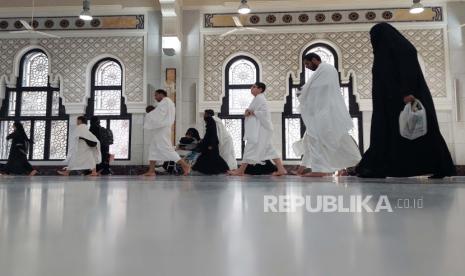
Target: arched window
x=240 y=74
x=38 y=106
x=293 y=127
x=107 y=103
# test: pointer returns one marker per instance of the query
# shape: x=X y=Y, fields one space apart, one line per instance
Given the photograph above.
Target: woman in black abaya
x=210 y=161
x=397 y=80
x=17 y=159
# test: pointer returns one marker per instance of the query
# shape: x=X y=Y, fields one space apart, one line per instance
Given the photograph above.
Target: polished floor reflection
x=216 y=226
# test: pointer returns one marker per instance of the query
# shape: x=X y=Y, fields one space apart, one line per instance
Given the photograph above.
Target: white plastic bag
x=412 y=121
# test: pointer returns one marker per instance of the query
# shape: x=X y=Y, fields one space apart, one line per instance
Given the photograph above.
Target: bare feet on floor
x=295 y=172
x=149 y=173
x=236 y=173
x=316 y=174
x=63 y=173
x=33 y=172
x=186 y=169
x=280 y=172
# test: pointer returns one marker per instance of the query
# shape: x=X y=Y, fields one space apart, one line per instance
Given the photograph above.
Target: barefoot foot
x=63 y=173
x=186 y=170
x=235 y=173
x=149 y=173
x=33 y=172
x=280 y=173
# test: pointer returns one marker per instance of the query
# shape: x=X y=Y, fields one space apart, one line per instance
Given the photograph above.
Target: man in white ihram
x=159 y=121
x=327 y=146
x=84 y=150
x=258 y=133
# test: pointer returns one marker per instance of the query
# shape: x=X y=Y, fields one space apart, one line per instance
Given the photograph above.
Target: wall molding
x=67 y=23
x=323 y=17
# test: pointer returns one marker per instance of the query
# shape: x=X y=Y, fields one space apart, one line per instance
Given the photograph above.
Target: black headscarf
x=194 y=133
x=95 y=126
x=395 y=64
x=384 y=35
x=19 y=132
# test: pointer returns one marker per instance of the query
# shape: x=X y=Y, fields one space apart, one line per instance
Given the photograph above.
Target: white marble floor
x=216 y=226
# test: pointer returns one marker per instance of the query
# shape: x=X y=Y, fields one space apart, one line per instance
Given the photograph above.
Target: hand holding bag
x=412 y=121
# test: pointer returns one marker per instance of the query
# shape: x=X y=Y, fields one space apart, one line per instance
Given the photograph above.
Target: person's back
x=103 y=135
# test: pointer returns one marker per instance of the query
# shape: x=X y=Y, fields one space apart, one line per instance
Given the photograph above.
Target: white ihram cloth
x=159 y=122
x=258 y=133
x=327 y=145
x=81 y=156
x=226 y=145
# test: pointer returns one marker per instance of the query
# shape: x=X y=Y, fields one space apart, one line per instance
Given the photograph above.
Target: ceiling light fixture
x=417 y=7
x=243 y=7
x=85 y=14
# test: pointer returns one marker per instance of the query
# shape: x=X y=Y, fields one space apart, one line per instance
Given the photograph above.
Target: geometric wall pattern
x=70 y=57
x=279 y=54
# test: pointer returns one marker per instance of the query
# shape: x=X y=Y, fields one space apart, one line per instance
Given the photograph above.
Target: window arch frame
x=225 y=113
x=123 y=114
x=289 y=107
x=48 y=118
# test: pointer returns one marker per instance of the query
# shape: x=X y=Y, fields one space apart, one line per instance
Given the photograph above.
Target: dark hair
x=94 y=120
x=209 y=123
x=209 y=112
x=194 y=133
x=261 y=85
x=83 y=119
x=149 y=108
x=161 y=91
x=19 y=129
x=311 y=56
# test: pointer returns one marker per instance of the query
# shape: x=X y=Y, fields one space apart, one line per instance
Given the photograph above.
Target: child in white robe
x=258 y=134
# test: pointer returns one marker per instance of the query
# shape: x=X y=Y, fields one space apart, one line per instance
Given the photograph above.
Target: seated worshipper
x=398 y=80
x=84 y=150
x=258 y=134
x=187 y=150
x=190 y=140
x=210 y=161
x=188 y=146
x=226 y=145
x=103 y=136
x=327 y=144
x=17 y=159
x=159 y=122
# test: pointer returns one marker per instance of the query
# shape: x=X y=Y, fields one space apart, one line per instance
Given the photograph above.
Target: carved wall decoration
x=324 y=17
x=107 y=22
x=69 y=57
x=279 y=54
